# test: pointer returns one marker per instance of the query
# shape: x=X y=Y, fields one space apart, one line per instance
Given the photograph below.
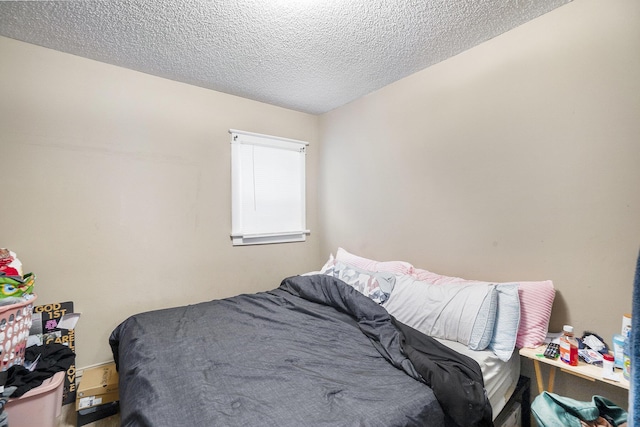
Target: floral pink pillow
x=400 y=267
x=536 y=301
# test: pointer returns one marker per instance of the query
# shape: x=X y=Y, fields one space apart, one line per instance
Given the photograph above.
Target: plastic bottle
x=626 y=361
x=618 y=350
x=607 y=365
x=568 y=346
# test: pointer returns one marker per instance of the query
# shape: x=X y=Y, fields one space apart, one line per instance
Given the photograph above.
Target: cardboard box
x=97 y=387
x=96 y=400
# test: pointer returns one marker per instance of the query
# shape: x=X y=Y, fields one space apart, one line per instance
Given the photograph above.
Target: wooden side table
x=583 y=370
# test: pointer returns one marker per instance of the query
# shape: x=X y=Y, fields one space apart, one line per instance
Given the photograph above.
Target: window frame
x=239 y=235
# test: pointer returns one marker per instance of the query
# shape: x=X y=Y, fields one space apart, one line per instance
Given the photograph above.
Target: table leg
x=539 y=379
x=536 y=366
x=552 y=377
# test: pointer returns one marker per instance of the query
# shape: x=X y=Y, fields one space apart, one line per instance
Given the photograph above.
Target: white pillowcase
x=507 y=322
x=484 y=325
x=535 y=300
x=456 y=312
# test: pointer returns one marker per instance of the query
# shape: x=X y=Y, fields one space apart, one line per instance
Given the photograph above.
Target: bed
x=315 y=351
x=501 y=378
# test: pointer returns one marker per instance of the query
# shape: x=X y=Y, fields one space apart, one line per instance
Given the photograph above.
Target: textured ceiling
x=306 y=55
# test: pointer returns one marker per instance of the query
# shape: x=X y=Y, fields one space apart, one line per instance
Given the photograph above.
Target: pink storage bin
x=39 y=406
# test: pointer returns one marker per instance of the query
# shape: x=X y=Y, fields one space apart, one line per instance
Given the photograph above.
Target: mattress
x=500 y=378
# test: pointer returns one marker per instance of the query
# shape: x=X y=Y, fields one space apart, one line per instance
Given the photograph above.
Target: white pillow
x=535 y=300
x=450 y=312
x=484 y=326
x=507 y=322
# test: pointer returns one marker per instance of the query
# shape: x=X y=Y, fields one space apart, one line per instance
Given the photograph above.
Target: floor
x=68 y=419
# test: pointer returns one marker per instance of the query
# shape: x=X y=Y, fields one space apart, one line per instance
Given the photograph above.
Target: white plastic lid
x=568 y=328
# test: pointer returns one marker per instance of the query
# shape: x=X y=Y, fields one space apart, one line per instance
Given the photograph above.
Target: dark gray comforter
x=313 y=352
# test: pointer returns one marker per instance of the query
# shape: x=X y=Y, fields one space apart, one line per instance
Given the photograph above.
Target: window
x=267 y=189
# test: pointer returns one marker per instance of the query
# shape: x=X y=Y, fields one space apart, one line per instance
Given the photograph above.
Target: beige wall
x=516 y=160
x=116 y=189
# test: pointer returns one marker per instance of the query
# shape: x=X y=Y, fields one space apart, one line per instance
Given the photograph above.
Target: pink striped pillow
x=536 y=301
x=399 y=267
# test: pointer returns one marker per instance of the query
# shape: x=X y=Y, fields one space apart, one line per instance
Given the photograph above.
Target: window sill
x=269 y=238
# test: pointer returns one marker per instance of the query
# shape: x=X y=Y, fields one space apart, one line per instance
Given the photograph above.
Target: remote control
x=552 y=351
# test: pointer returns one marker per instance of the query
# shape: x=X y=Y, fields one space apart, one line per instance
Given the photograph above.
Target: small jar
x=607 y=365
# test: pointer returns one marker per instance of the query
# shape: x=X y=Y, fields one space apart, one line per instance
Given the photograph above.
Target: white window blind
x=267 y=189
